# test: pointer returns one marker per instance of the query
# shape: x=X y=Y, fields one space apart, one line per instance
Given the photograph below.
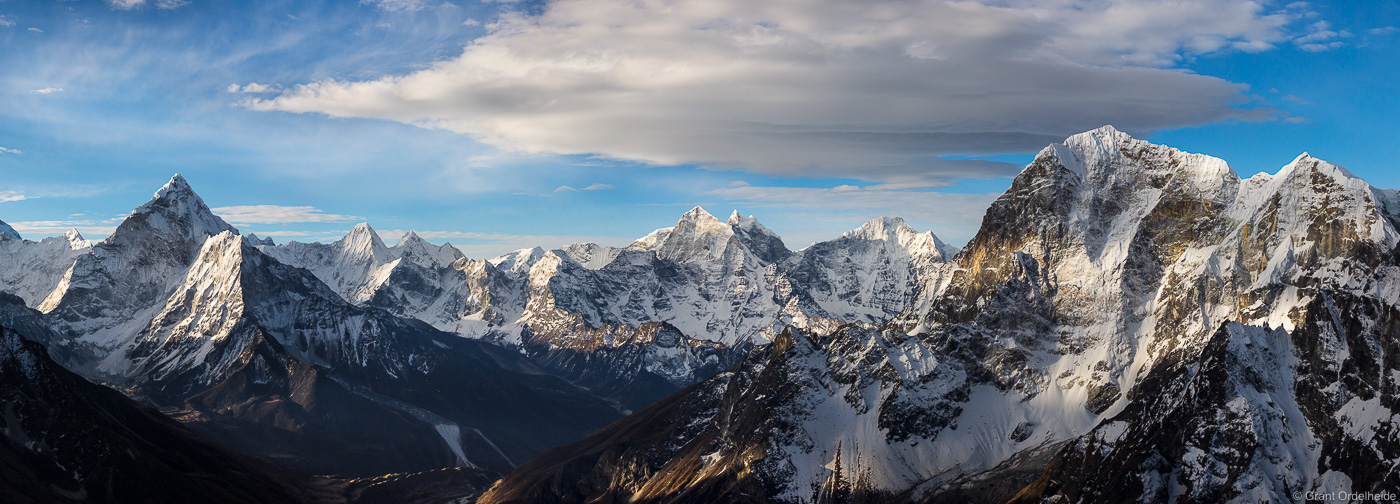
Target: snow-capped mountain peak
x=415 y=249
x=175 y=214
x=7 y=232
x=892 y=229
x=698 y=234
x=255 y=240
x=517 y=262
x=897 y=232
x=75 y=239
x=364 y=242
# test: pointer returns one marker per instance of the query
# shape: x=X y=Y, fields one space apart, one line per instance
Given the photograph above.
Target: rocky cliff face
x=1131 y=323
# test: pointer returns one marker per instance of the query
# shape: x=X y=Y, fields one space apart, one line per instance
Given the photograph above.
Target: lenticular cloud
x=874 y=91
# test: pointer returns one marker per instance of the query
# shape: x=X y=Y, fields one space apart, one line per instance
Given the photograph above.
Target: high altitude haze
x=501 y=125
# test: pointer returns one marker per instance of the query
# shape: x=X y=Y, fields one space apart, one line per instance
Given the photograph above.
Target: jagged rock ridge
x=640 y=322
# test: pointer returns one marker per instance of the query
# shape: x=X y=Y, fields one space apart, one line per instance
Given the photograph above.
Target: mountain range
x=1131 y=323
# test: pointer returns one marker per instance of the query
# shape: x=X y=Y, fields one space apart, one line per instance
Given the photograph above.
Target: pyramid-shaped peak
x=410 y=236
x=1306 y=162
x=176 y=192
x=698 y=214
x=364 y=241
x=75 y=239
x=175 y=212
x=361 y=233
x=176 y=185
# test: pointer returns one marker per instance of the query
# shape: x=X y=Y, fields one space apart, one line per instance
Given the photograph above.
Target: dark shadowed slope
x=68 y=440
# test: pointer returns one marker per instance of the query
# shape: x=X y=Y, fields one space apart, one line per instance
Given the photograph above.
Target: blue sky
x=498 y=125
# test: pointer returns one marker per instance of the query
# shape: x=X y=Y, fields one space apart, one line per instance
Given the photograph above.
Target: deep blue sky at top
x=504 y=124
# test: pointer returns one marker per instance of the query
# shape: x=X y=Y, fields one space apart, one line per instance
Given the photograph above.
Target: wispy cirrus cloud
x=88 y=227
x=591 y=187
x=252 y=87
x=8 y=196
x=47 y=90
x=277 y=214
x=136 y=4
x=6 y=150
x=396 y=5
x=880 y=91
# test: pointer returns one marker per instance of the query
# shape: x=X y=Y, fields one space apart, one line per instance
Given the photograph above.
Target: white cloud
x=159 y=4
x=89 y=228
x=276 y=214
x=8 y=196
x=1384 y=30
x=871 y=90
x=252 y=87
x=591 y=187
x=5 y=150
x=396 y=5
x=34 y=30
x=5 y=22
x=1320 y=37
x=471 y=22
x=47 y=90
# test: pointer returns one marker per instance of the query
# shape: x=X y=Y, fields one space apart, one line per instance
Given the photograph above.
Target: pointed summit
x=699 y=217
x=738 y=221
x=259 y=241
x=364 y=242
x=419 y=251
x=75 y=239
x=176 y=185
x=174 y=214
x=7 y=232
x=699 y=234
